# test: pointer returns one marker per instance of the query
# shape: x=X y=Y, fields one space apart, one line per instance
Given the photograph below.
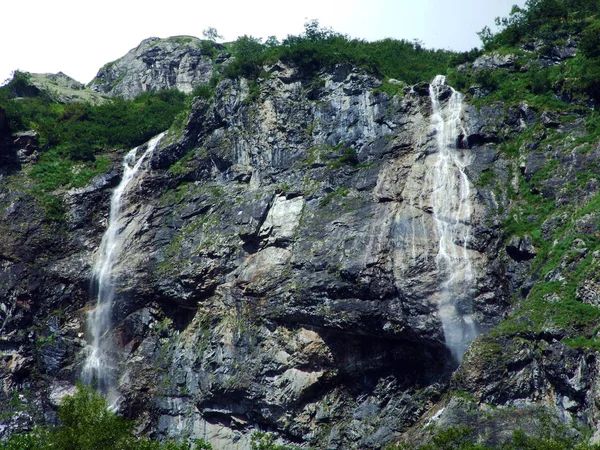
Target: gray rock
x=173 y=63
x=521 y=248
x=494 y=61
x=550 y=119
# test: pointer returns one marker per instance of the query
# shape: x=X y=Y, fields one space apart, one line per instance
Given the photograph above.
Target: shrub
x=86 y=423
x=590 y=40
x=249 y=53
x=539 y=19
x=321 y=48
x=266 y=441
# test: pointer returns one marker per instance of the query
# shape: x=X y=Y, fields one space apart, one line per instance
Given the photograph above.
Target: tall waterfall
x=99 y=367
x=452 y=209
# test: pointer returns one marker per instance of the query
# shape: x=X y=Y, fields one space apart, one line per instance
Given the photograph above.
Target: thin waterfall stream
x=99 y=368
x=452 y=210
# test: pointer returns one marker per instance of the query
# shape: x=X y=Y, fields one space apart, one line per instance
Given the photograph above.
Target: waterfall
x=452 y=209
x=99 y=367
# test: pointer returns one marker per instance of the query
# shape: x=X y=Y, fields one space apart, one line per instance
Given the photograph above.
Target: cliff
x=303 y=257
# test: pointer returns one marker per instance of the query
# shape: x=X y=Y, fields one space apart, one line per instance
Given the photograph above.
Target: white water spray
x=99 y=367
x=452 y=211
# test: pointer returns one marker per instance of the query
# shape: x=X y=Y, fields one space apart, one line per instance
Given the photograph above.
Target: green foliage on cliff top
x=79 y=130
x=535 y=34
x=541 y=20
x=320 y=48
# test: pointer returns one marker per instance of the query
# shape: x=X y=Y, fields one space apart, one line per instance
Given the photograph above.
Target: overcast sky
x=78 y=37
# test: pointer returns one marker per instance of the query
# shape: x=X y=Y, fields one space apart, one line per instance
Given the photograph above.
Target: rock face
x=280 y=271
x=281 y=276
x=179 y=62
x=301 y=258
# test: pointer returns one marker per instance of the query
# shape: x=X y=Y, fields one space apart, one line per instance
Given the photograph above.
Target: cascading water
x=98 y=368
x=452 y=211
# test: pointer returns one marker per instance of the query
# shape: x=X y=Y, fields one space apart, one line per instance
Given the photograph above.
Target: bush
x=321 y=48
x=266 y=441
x=487 y=79
x=590 y=40
x=86 y=423
x=539 y=19
x=249 y=54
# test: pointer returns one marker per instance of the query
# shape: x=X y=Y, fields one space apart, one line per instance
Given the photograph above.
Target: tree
x=314 y=32
x=86 y=423
x=211 y=34
x=249 y=56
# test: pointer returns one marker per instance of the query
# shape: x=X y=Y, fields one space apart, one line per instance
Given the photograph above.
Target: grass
x=55 y=169
x=391 y=88
x=340 y=192
x=581 y=342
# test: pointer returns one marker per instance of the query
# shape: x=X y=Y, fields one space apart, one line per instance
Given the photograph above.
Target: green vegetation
x=542 y=19
x=86 y=423
x=338 y=193
x=55 y=169
x=548 y=204
x=74 y=137
x=550 y=308
x=392 y=87
x=555 y=437
x=321 y=48
x=553 y=306
x=533 y=32
x=266 y=441
x=347 y=158
x=80 y=130
x=211 y=34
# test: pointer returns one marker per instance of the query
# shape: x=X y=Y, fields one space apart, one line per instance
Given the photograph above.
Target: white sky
x=78 y=37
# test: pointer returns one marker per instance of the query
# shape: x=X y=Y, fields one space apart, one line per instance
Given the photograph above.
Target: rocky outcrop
x=63 y=89
x=17 y=149
x=181 y=62
x=494 y=61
